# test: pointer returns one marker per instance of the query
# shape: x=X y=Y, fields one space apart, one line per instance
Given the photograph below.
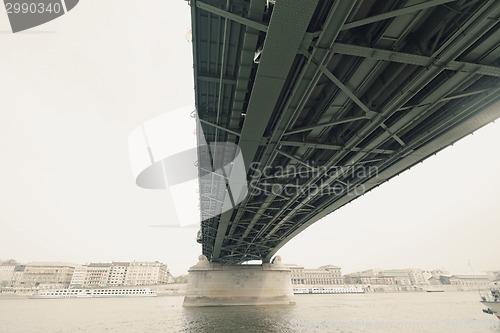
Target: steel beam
x=309 y=144
x=476 y=28
x=327 y=124
x=394 y=13
x=230 y=16
x=295 y=159
x=454 y=134
x=393 y=135
x=452 y=52
x=219 y=127
x=429 y=89
x=249 y=45
x=339 y=84
x=413 y=59
x=306 y=82
x=280 y=48
x=449 y=98
x=216 y=79
x=255 y=218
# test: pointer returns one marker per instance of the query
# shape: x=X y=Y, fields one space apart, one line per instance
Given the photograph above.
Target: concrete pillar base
x=211 y=284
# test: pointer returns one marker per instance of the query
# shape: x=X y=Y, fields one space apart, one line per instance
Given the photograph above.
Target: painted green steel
x=281 y=46
x=231 y=16
x=395 y=13
x=414 y=59
x=332 y=85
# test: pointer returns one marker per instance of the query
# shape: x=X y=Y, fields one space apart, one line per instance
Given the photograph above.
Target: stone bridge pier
x=214 y=284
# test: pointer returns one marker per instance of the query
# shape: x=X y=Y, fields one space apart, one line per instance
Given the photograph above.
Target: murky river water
x=392 y=312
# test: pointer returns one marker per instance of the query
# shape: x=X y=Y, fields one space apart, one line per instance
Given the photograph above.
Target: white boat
x=329 y=290
x=301 y=291
x=98 y=293
x=492 y=300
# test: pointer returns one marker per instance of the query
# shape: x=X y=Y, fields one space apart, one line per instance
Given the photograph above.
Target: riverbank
x=180 y=289
x=396 y=288
x=429 y=288
x=161 y=290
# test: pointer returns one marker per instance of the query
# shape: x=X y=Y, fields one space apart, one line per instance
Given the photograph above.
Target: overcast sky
x=74 y=89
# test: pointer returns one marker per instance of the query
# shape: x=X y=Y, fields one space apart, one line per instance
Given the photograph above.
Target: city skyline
x=11 y=261
x=66 y=188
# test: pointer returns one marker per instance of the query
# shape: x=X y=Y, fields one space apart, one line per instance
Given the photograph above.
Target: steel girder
x=376 y=84
x=279 y=50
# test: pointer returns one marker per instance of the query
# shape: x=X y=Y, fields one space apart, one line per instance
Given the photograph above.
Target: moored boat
x=329 y=290
x=492 y=300
x=97 y=293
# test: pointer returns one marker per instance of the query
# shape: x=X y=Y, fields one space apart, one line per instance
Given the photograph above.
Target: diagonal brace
x=339 y=84
x=231 y=16
x=330 y=123
x=394 y=13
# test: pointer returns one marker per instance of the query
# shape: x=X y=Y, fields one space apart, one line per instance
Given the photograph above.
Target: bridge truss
x=328 y=99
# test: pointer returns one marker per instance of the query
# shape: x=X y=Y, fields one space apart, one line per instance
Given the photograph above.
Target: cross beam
x=394 y=13
x=231 y=16
x=413 y=59
x=317 y=145
x=327 y=124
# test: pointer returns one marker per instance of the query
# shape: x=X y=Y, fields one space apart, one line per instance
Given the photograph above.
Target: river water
x=375 y=312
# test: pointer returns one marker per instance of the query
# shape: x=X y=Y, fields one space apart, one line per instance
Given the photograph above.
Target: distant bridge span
x=327 y=99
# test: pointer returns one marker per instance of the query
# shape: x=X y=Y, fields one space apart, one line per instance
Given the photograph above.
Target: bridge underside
x=328 y=99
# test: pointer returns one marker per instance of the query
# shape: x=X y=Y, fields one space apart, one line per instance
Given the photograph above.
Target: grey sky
x=72 y=91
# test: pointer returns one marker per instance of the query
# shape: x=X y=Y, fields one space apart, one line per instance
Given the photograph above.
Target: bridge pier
x=212 y=284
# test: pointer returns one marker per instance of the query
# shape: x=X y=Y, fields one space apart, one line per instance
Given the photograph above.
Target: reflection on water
x=395 y=312
x=238 y=319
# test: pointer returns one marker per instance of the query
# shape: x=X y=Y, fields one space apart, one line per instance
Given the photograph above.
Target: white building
x=469 y=280
x=7 y=273
x=18 y=275
x=427 y=275
x=417 y=277
x=78 y=279
x=324 y=275
x=46 y=275
x=437 y=273
x=97 y=275
x=118 y=273
x=146 y=273
x=401 y=276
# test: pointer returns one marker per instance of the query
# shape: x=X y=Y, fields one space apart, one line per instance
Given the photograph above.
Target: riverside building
x=134 y=273
x=7 y=272
x=324 y=275
x=46 y=275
